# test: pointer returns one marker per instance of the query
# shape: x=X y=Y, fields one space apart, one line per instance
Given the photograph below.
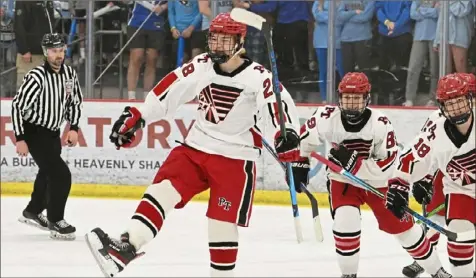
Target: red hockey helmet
x=471 y=80
x=225 y=25
x=357 y=84
x=452 y=87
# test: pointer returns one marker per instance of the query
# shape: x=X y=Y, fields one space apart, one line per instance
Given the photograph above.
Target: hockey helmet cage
x=224 y=24
x=453 y=86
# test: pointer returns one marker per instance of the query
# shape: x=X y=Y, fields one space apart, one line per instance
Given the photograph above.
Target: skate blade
x=31 y=223
x=105 y=264
x=57 y=236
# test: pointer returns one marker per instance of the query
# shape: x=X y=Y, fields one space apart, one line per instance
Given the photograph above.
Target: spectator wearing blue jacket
x=356 y=36
x=290 y=33
x=184 y=19
x=461 y=26
x=395 y=29
x=320 y=11
x=425 y=14
x=149 y=41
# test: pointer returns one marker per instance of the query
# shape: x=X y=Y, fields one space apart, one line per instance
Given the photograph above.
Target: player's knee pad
x=346 y=229
x=461 y=253
x=158 y=200
x=433 y=235
x=223 y=245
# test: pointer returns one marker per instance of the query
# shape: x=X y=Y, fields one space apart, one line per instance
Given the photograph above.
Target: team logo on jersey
x=217 y=101
x=360 y=145
x=68 y=86
x=463 y=167
x=222 y=202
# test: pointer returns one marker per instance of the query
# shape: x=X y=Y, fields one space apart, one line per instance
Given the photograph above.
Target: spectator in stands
x=356 y=33
x=184 y=19
x=320 y=10
x=395 y=29
x=149 y=42
x=255 y=43
x=290 y=33
x=459 y=34
x=79 y=10
x=32 y=20
x=7 y=48
x=425 y=13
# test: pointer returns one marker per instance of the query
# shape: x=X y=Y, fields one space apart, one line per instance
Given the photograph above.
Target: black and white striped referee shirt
x=47 y=98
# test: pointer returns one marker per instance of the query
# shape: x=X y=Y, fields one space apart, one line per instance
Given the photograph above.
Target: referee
x=49 y=94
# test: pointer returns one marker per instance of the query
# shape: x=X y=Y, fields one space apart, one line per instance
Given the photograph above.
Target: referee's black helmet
x=52 y=40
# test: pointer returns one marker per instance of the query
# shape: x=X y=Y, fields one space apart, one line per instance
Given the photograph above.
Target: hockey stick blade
x=461 y=236
x=314 y=204
x=247 y=17
x=315 y=214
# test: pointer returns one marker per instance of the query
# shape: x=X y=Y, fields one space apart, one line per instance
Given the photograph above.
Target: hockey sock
x=158 y=200
x=347 y=238
x=432 y=235
x=461 y=254
x=223 y=245
x=418 y=246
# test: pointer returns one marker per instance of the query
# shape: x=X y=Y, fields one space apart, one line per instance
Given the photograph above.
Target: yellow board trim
x=262 y=197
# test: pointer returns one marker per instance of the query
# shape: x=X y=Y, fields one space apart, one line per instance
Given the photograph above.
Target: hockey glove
x=124 y=129
x=397 y=197
x=422 y=190
x=287 y=148
x=300 y=173
x=349 y=160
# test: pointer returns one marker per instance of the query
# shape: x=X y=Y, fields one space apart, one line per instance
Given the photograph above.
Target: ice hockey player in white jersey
x=364 y=144
x=429 y=190
x=450 y=144
x=219 y=152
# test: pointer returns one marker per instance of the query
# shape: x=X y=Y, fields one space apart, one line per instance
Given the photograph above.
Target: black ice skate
x=35 y=220
x=61 y=230
x=349 y=276
x=111 y=255
x=412 y=271
x=442 y=274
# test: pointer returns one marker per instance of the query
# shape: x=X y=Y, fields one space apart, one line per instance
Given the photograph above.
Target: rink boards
x=99 y=170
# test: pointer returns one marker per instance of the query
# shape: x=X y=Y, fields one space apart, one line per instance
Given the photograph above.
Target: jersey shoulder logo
x=217 y=101
x=463 y=167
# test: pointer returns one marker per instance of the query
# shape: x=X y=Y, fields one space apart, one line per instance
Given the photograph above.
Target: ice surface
x=267 y=248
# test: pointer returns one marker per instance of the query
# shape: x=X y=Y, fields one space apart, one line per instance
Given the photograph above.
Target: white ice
x=267 y=248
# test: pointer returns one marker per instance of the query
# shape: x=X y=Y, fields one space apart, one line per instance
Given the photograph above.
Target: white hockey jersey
x=374 y=138
x=230 y=105
x=453 y=153
x=434 y=116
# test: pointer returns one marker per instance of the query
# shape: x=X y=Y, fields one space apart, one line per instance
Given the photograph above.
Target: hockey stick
x=433 y=212
x=462 y=236
x=254 y=20
x=314 y=204
x=425 y=214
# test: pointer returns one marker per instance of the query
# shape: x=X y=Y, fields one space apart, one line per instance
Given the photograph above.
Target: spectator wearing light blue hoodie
x=461 y=20
x=321 y=15
x=184 y=19
x=356 y=36
x=395 y=29
x=425 y=14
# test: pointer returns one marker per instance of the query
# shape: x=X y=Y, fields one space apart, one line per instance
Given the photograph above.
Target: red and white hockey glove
x=287 y=148
x=124 y=129
x=397 y=197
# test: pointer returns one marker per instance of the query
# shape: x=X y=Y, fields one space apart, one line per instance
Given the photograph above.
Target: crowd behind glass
x=395 y=42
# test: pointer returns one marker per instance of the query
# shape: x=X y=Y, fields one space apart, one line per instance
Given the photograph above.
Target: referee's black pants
x=53 y=181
